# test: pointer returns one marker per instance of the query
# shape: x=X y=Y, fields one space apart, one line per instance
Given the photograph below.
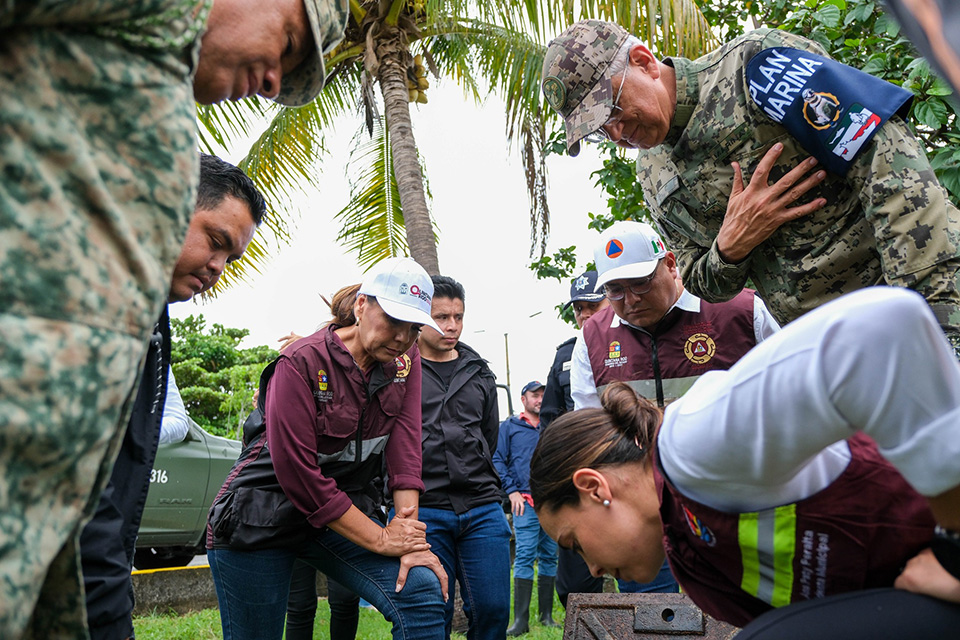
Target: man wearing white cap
x=655 y=335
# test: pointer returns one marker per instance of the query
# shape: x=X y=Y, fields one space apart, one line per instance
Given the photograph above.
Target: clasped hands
x=754 y=212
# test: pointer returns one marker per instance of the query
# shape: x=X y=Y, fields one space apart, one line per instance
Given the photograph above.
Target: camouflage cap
x=328 y=19
x=575 y=80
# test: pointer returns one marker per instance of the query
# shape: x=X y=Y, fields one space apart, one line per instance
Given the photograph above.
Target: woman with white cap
x=339 y=406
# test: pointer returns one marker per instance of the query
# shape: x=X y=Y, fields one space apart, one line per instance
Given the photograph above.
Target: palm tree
x=485 y=46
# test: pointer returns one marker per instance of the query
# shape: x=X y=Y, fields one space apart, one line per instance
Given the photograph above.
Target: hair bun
x=633 y=415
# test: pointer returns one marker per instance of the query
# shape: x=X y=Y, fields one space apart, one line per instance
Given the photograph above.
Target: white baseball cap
x=403 y=290
x=627 y=250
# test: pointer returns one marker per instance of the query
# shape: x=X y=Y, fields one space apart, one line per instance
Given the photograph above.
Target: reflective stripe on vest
x=370 y=447
x=768 y=541
x=673 y=388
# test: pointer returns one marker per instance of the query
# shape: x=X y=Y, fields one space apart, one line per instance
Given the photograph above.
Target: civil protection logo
x=614 y=349
x=403 y=365
x=322 y=380
x=614 y=248
x=699 y=348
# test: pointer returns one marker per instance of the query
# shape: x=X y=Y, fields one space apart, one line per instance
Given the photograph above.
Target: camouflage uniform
x=98 y=169
x=888 y=221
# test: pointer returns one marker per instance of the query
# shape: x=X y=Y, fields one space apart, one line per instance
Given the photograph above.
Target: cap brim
x=634 y=270
x=586 y=297
x=404 y=313
x=588 y=116
x=302 y=85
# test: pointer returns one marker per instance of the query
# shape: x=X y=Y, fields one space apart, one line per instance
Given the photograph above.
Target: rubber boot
x=522 y=590
x=545 y=586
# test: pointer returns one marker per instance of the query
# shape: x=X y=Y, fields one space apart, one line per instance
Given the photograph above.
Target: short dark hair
x=219 y=179
x=447 y=287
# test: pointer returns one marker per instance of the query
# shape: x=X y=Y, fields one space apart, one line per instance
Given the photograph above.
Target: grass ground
x=205 y=625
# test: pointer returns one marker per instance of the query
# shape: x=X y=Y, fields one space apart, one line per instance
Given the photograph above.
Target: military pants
x=98 y=171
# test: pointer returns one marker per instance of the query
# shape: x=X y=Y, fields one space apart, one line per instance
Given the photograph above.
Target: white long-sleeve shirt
x=174 y=425
x=772 y=429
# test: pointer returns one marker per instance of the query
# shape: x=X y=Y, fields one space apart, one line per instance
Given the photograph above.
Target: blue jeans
x=252 y=588
x=475 y=547
x=663 y=583
x=533 y=543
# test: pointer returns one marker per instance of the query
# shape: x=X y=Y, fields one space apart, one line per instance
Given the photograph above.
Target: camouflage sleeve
x=141 y=16
x=916 y=227
x=702 y=271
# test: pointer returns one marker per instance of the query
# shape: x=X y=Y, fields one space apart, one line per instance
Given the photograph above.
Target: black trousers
x=874 y=614
x=302 y=606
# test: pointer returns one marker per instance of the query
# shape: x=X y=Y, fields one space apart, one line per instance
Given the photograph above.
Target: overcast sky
x=480 y=205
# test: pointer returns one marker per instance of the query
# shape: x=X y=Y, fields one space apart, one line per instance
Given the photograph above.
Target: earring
x=606 y=503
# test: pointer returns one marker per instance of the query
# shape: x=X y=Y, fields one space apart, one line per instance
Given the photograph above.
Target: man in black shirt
x=466 y=526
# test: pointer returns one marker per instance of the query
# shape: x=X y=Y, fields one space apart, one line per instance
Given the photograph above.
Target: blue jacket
x=515 y=444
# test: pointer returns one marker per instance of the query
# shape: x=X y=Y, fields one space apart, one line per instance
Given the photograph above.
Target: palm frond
x=371 y=224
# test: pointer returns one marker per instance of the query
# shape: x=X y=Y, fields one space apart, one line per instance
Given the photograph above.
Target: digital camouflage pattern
x=887 y=222
x=98 y=171
x=328 y=18
x=575 y=81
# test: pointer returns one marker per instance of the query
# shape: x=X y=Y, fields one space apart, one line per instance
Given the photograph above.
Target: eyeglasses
x=639 y=287
x=616 y=113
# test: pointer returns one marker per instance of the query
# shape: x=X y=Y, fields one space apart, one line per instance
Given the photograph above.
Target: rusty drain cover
x=639 y=616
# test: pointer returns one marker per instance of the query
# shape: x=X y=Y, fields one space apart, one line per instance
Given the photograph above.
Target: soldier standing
x=97 y=187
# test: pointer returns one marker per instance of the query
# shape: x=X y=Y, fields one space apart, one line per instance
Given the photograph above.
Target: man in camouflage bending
x=881 y=218
x=98 y=174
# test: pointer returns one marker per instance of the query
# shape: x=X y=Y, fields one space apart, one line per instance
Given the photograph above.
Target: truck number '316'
x=159 y=476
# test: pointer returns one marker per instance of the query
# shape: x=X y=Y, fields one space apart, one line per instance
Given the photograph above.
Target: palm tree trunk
x=406 y=163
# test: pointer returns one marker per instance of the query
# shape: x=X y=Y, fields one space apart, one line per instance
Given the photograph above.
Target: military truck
x=185 y=479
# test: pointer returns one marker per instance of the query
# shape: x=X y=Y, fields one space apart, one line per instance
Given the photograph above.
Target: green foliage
x=216 y=378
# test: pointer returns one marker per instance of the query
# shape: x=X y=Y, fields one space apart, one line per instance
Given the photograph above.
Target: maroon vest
x=855 y=534
x=661 y=365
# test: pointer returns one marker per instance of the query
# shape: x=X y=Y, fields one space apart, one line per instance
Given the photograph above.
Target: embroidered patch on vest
x=614 y=359
x=699 y=348
x=403 y=366
x=699 y=529
x=323 y=393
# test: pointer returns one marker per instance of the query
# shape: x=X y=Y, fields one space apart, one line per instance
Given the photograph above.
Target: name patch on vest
x=831 y=109
x=815 y=553
x=614 y=359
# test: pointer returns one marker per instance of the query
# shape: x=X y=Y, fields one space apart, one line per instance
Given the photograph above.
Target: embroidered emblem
x=820 y=109
x=581 y=283
x=699 y=529
x=614 y=349
x=854 y=130
x=614 y=248
x=403 y=366
x=322 y=380
x=699 y=348
x=555 y=92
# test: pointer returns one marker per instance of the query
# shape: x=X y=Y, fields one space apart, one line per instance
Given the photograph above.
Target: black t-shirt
x=445 y=370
